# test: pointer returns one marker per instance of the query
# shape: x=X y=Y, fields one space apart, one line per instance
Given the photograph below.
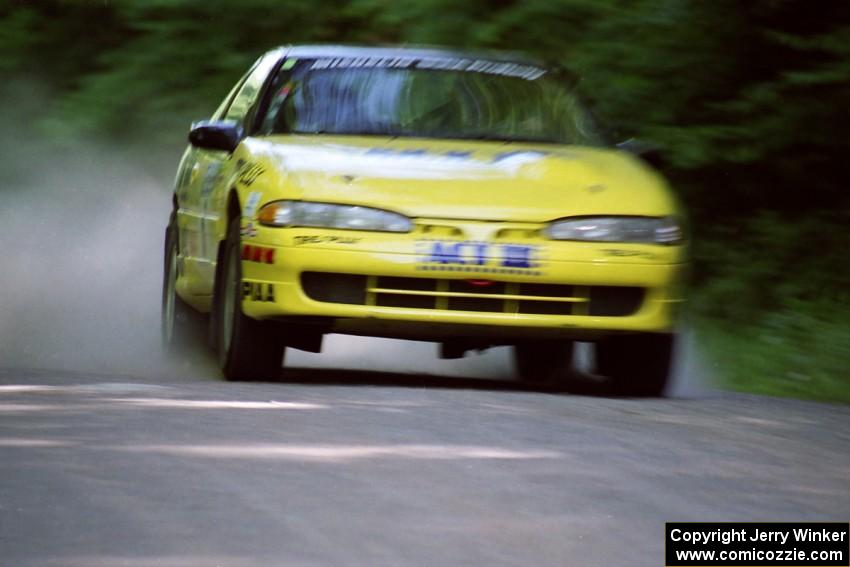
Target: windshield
x=438 y=98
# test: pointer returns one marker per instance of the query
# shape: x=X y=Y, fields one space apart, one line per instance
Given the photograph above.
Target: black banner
x=768 y=544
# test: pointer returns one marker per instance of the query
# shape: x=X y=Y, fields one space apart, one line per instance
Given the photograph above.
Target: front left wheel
x=544 y=362
x=247 y=349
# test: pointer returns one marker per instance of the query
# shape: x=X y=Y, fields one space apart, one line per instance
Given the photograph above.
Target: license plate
x=487 y=257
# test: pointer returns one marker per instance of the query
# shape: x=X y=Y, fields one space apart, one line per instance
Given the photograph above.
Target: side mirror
x=212 y=135
x=647 y=151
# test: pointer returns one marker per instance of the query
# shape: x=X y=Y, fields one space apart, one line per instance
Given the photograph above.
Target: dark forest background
x=748 y=100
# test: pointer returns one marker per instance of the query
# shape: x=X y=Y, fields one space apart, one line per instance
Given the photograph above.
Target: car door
x=200 y=184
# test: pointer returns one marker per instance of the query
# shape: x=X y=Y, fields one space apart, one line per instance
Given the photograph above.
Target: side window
x=225 y=104
x=279 y=91
x=243 y=103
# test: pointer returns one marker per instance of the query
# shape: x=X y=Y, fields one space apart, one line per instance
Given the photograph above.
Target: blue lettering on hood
x=513 y=155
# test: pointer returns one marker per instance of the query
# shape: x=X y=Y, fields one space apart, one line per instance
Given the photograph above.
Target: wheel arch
x=232 y=211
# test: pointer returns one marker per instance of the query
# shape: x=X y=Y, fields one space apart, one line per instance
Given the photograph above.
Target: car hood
x=462 y=179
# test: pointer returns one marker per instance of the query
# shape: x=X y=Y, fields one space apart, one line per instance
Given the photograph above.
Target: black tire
x=178 y=320
x=544 y=362
x=636 y=365
x=247 y=349
x=212 y=328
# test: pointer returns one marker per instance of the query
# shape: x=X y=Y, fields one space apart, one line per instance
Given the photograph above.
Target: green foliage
x=771 y=263
x=800 y=350
x=772 y=299
x=747 y=98
x=175 y=59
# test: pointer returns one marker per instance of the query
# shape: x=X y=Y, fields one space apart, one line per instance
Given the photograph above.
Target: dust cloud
x=82 y=231
x=402 y=357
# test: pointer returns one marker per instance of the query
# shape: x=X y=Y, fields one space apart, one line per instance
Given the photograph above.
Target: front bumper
x=383 y=285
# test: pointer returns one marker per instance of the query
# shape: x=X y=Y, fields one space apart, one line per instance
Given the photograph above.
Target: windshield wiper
x=393 y=133
x=387 y=133
x=494 y=137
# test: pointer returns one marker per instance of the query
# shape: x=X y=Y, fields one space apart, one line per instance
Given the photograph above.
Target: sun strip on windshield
x=505 y=69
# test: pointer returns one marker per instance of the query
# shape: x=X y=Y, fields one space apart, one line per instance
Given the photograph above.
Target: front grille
x=409 y=284
x=473 y=295
x=548 y=307
x=608 y=301
x=335 y=288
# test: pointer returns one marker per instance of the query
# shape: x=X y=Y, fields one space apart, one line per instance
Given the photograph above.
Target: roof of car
x=322 y=51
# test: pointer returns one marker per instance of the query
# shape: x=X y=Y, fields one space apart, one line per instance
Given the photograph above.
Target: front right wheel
x=247 y=349
x=636 y=365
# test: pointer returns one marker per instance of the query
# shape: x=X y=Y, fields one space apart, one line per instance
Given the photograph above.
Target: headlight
x=326 y=215
x=665 y=230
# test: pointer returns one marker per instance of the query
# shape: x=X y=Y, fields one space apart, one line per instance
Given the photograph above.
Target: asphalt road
x=177 y=468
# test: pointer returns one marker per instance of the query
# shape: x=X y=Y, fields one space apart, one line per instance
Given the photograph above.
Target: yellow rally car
x=457 y=197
